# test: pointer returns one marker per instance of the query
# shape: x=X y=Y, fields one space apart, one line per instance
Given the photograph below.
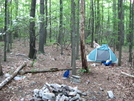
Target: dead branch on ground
x=3 y=83
x=127 y=74
x=43 y=71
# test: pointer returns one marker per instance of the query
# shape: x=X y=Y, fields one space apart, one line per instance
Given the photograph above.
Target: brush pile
x=56 y=92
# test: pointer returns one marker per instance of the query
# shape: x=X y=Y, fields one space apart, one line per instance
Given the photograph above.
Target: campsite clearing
x=96 y=84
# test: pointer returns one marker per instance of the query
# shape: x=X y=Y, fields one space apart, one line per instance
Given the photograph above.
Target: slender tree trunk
x=1 y=71
x=120 y=28
x=42 y=29
x=97 y=24
x=8 y=23
x=77 y=30
x=50 y=33
x=82 y=37
x=114 y=24
x=46 y=11
x=131 y=30
x=73 y=62
x=16 y=14
x=92 y=23
x=102 y=19
x=61 y=27
x=5 y=30
x=32 y=51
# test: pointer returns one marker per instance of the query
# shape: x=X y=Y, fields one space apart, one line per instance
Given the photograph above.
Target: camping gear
x=107 y=63
x=66 y=73
x=102 y=53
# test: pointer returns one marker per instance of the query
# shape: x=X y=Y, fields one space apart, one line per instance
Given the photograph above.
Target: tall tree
x=82 y=37
x=1 y=71
x=60 y=38
x=114 y=23
x=5 y=29
x=131 y=29
x=92 y=22
x=42 y=29
x=32 y=51
x=73 y=62
x=97 y=22
x=46 y=18
x=77 y=29
x=16 y=14
x=120 y=28
x=9 y=34
x=50 y=32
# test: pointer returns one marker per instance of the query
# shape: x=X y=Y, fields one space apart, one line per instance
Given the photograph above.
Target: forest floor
x=100 y=77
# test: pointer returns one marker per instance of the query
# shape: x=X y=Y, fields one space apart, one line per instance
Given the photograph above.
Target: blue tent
x=102 y=53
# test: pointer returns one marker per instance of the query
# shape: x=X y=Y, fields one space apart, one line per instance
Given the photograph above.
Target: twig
x=127 y=74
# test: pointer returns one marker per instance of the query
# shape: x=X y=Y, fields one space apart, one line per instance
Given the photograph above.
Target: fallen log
x=43 y=71
x=127 y=74
x=3 y=83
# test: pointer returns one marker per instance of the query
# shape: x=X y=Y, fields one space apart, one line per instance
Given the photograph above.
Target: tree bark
x=77 y=30
x=46 y=18
x=1 y=71
x=120 y=28
x=42 y=29
x=131 y=31
x=92 y=23
x=114 y=24
x=5 y=30
x=50 y=33
x=60 y=37
x=32 y=51
x=73 y=56
x=82 y=37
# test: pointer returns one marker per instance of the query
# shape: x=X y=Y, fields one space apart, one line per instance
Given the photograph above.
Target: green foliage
x=32 y=64
x=83 y=70
x=33 y=70
x=1 y=44
x=10 y=72
x=88 y=39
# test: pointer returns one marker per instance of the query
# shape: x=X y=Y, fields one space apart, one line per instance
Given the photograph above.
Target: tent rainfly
x=102 y=53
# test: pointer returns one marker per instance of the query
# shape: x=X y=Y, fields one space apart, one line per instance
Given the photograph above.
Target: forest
x=44 y=46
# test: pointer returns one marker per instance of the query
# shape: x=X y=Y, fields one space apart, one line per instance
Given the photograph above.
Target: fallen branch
x=3 y=83
x=127 y=74
x=43 y=71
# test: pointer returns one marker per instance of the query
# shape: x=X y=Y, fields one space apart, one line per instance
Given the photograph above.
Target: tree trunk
x=50 y=33
x=92 y=23
x=73 y=57
x=1 y=71
x=16 y=14
x=97 y=24
x=32 y=51
x=120 y=28
x=60 y=38
x=77 y=30
x=42 y=29
x=46 y=18
x=114 y=24
x=5 y=30
x=82 y=37
x=131 y=23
